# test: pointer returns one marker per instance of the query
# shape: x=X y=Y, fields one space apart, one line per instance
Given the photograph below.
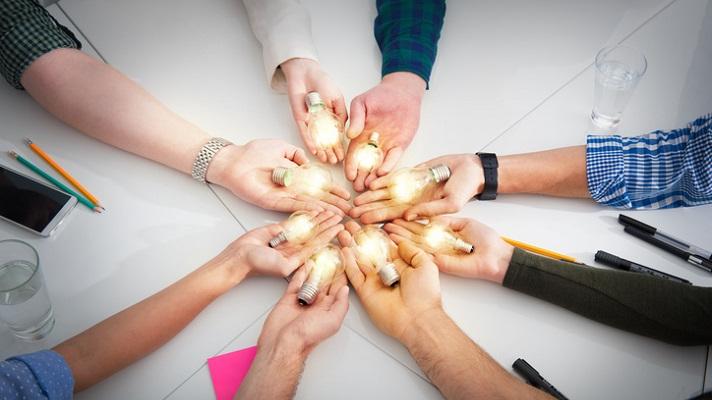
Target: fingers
x=296 y=282
x=431 y=208
x=370 y=178
x=383 y=214
x=321 y=155
x=401 y=233
x=412 y=254
x=331 y=156
x=358 y=118
x=390 y=161
x=456 y=224
x=371 y=196
x=353 y=272
x=352 y=227
x=339 y=150
x=287 y=204
x=380 y=182
x=350 y=163
x=336 y=201
x=345 y=238
x=359 y=182
x=339 y=106
x=296 y=155
x=340 y=191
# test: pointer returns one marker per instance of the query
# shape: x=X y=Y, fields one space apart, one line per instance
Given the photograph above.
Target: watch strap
x=489 y=166
x=205 y=156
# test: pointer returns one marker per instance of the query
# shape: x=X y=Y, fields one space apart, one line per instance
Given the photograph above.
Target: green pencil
x=53 y=181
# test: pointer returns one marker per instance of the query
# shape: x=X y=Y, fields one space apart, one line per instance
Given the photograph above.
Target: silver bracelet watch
x=205 y=156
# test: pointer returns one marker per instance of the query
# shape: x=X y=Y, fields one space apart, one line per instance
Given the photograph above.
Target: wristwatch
x=205 y=156
x=489 y=165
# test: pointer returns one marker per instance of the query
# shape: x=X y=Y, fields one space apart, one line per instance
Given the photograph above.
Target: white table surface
x=506 y=79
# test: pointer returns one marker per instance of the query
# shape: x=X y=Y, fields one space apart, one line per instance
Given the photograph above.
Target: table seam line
x=89 y=42
x=228 y=208
x=568 y=82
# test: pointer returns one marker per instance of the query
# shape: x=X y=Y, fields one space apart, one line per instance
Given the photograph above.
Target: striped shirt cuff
x=656 y=170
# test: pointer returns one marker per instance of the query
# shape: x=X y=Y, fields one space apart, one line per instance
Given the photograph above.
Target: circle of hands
x=392 y=109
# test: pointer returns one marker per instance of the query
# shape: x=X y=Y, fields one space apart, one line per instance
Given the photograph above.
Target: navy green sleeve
x=407 y=32
x=658 y=308
x=28 y=31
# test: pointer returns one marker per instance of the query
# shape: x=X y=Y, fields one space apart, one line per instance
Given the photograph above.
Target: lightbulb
x=321 y=267
x=299 y=228
x=373 y=245
x=323 y=126
x=369 y=154
x=409 y=184
x=442 y=239
x=309 y=179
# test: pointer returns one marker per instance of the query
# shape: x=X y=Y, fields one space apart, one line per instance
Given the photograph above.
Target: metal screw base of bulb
x=278 y=175
x=389 y=275
x=441 y=173
x=307 y=293
x=277 y=240
x=464 y=246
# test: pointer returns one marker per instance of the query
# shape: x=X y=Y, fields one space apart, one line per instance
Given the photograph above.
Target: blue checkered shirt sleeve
x=41 y=375
x=657 y=170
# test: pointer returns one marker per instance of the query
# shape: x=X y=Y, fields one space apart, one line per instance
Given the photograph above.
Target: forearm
x=407 y=33
x=99 y=101
x=137 y=331
x=669 y=311
x=274 y=374
x=558 y=172
x=456 y=365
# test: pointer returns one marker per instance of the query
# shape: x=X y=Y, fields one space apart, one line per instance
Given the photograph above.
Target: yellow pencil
x=37 y=149
x=539 y=250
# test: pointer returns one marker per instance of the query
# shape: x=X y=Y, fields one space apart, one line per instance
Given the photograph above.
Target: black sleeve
x=664 y=310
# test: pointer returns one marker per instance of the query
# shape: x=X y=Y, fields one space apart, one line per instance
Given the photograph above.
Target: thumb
x=357 y=118
x=412 y=254
x=432 y=208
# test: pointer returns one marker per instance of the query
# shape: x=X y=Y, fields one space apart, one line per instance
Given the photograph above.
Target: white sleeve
x=284 y=30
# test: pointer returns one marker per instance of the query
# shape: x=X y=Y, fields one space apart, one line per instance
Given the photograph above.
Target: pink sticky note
x=228 y=370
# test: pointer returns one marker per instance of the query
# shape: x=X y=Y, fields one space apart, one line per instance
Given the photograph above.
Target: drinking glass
x=24 y=303
x=618 y=71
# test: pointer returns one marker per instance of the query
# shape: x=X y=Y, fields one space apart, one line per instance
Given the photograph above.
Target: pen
x=535 y=379
x=625 y=265
x=695 y=260
x=691 y=248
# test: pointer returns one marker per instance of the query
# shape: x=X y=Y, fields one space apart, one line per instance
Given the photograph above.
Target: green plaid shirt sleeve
x=407 y=32
x=28 y=31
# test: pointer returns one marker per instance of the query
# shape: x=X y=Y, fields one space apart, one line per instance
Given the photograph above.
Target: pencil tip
x=12 y=153
x=98 y=210
x=28 y=141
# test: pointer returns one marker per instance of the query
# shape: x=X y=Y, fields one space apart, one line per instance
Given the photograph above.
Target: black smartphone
x=31 y=204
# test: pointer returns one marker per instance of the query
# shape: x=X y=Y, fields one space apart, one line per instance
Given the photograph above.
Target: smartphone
x=31 y=204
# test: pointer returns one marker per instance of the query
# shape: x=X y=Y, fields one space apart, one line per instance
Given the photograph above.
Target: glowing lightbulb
x=299 y=228
x=409 y=184
x=442 y=239
x=321 y=267
x=309 y=179
x=373 y=245
x=368 y=154
x=323 y=126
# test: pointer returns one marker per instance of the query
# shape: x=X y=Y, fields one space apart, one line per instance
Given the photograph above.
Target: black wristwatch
x=489 y=165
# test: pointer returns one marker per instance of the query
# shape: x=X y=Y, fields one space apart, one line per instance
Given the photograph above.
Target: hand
x=392 y=108
x=247 y=171
x=466 y=181
x=489 y=261
x=250 y=254
x=304 y=76
x=301 y=328
x=394 y=310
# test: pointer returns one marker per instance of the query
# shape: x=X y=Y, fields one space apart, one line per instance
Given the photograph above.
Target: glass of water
x=24 y=303
x=618 y=70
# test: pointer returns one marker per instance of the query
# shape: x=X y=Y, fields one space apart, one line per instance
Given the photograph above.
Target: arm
x=458 y=366
x=658 y=308
x=284 y=30
x=289 y=334
x=145 y=326
x=407 y=33
x=412 y=313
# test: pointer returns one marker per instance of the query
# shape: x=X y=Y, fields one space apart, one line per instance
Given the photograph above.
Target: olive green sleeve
x=668 y=311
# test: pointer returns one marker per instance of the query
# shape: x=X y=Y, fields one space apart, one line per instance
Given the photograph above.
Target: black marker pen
x=621 y=263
